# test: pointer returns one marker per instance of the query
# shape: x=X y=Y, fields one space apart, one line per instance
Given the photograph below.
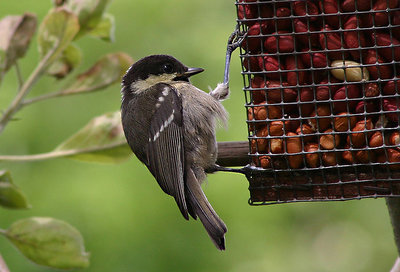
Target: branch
x=229 y=154
x=19 y=75
x=59 y=94
x=233 y=153
x=25 y=89
x=56 y=154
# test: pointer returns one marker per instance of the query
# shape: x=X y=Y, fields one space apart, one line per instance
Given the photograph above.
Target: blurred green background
x=128 y=223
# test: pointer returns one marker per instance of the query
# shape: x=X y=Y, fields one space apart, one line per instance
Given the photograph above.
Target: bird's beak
x=192 y=71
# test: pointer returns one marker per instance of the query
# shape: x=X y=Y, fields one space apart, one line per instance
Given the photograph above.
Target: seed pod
x=304 y=39
x=320 y=123
x=295 y=77
x=276 y=145
x=265 y=162
x=291 y=124
x=272 y=66
x=258 y=82
x=276 y=128
x=348 y=91
x=392 y=87
x=274 y=112
x=305 y=129
x=329 y=158
x=352 y=71
x=331 y=41
x=366 y=106
x=342 y=121
x=285 y=23
x=312 y=158
x=355 y=38
x=330 y=7
x=381 y=18
x=325 y=90
x=388 y=44
x=305 y=8
x=378 y=70
x=275 y=90
x=260 y=113
x=293 y=145
x=256 y=113
x=394 y=139
x=394 y=157
x=395 y=21
x=362 y=156
x=358 y=139
x=260 y=145
x=329 y=141
x=371 y=89
x=254 y=41
x=252 y=64
x=347 y=155
x=246 y=11
x=281 y=42
x=376 y=139
x=391 y=104
x=306 y=95
x=350 y=5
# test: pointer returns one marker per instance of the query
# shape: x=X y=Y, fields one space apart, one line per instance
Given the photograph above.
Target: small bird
x=170 y=126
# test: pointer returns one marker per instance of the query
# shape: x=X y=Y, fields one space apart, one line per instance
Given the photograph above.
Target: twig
x=61 y=93
x=26 y=87
x=56 y=154
x=19 y=75
x=229 y=153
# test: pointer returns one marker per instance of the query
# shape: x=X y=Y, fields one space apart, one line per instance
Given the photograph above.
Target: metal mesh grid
x=322 y=85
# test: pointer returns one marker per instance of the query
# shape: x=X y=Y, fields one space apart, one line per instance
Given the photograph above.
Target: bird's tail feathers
x=199 y=205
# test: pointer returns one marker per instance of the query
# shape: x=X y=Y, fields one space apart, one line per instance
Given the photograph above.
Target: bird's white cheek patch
x=140 y=86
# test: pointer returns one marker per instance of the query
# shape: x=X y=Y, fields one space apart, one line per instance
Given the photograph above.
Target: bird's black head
x=154 y=69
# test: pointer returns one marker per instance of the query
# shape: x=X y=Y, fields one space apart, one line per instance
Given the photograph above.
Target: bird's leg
x=234 y=41
x=221 y=92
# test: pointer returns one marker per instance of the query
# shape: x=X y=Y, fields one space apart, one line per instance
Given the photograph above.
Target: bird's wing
x=165 y=149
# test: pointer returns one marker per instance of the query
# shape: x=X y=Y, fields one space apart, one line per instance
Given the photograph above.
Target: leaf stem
x=3 y=265
x=19 y=75
x=61 y=93
x=57 y=153
x=26 y=87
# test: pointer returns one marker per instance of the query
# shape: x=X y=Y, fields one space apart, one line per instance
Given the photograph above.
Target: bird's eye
x=167 y=68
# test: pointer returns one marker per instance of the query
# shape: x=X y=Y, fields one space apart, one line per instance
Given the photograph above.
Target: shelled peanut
x=325 y=76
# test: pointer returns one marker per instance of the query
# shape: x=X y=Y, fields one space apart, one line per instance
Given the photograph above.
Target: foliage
x=43 y=240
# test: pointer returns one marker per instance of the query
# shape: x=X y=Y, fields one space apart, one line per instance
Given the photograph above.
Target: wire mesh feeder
x=322 y=85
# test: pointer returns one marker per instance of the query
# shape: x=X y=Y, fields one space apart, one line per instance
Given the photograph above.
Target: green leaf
x=105 y=72
x=56 y=32
x=50 y=242
x=15 y=36
x=89 y=12
x=10 y=195
x=69 y=59
x=103 y=139
x=105 y=28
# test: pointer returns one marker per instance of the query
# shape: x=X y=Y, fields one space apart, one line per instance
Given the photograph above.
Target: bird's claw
x=235 y=39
